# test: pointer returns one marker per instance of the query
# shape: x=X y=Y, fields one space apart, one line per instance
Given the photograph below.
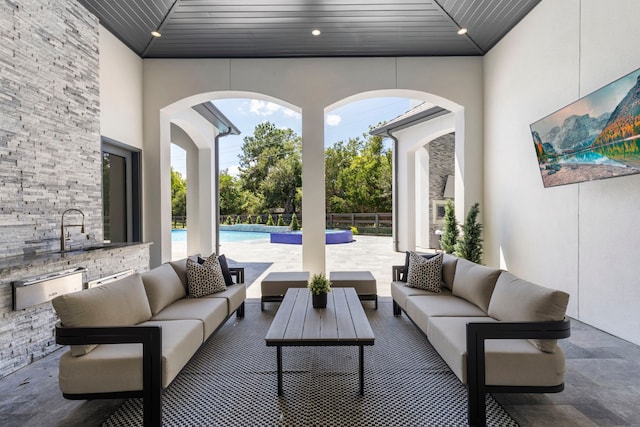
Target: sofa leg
x=240 y=311
x=477 y=405
x=396 y=309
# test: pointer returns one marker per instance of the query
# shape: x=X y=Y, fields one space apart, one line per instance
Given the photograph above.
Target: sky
x=348 y=121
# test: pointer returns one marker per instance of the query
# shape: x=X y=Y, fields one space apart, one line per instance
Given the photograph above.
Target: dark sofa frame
x=151 y=339
x=477 y=334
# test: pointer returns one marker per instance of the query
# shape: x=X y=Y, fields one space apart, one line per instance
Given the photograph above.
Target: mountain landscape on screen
x=596 y=137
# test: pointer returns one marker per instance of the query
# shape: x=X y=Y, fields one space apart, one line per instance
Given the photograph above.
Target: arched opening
x=413 y=208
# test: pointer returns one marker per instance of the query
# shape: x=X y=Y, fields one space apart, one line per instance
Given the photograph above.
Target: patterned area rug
x=232 y=381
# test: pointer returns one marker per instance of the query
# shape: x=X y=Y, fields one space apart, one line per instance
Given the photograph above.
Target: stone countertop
x=26 y=261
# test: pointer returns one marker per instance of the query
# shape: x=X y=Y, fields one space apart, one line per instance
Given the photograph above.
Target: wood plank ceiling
x=282 y=28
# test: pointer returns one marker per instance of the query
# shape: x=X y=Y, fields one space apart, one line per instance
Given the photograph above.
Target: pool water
x=180 y=235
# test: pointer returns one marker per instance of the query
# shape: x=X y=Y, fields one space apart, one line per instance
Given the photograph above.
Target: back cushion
x=163 y=286
x=474 y=282
x=448 y=270
x=516 y=300
x=120 y=303
x=180 y=268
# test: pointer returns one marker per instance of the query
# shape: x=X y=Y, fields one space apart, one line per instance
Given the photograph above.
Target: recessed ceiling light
x=316 y=32
x=462 y=31
x=155 y=34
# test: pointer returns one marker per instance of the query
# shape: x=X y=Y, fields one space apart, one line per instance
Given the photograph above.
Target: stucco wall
x=580 y=238
x=309 y=86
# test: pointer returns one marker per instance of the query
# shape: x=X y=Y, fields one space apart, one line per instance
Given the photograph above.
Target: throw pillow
x=405 y=272
x=226 y=273
x=204 y=279
x=425 y=273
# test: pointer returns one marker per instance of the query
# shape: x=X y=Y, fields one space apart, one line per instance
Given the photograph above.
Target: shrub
x=354 y=230
x=293 y=226
x=469 y=246
x=238 y=219
x=269 y=220
x=450 y=233
x=229 y=220
x=249 y=219
x=258 y=219
x=281 y=220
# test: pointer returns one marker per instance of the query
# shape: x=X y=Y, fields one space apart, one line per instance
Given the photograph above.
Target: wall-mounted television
x=596 y=137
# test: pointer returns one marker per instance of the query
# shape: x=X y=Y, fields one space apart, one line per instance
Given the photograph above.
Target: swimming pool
x=180 y=235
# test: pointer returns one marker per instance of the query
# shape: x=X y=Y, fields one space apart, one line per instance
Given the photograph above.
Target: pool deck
x=259 y=257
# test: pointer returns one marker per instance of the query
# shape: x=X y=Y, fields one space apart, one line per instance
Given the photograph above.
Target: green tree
x=469 y=246
x=269 y=220
x=280 y=220
x=271 y=166
x=451 y=232
x=178 y=194
x=231 y=199
x=358 y=176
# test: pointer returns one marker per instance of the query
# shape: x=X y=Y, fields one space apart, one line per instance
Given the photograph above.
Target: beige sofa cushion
x=400 y=292
x=421 y=308
x=211 y=312
x=180 y=267
x=118 y=367
x=163 y=286
x=474 y=282
x=120 y=303
x=516 y=300
x=449 y=263
x=234 y=295
x=513 y=362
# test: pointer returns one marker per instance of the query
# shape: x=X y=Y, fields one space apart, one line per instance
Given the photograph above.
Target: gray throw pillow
x=425 y=273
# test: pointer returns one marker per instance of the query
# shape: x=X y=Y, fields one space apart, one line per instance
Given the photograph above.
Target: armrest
x=396 y=272
x=478 y=332
x=151 y=339
x=238 y=272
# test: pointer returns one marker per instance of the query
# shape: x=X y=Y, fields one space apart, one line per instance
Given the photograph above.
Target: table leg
x=279 y=357
x=361 y=370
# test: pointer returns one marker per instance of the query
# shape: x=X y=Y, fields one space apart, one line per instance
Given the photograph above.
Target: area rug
x=232 y=381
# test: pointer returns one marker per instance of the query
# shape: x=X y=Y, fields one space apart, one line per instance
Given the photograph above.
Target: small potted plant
x=319 y=286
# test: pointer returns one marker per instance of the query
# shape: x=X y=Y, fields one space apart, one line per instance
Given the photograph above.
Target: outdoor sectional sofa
x=496 y=332
x=105 y=326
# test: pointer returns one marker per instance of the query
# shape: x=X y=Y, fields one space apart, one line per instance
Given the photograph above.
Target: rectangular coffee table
x=342 y=323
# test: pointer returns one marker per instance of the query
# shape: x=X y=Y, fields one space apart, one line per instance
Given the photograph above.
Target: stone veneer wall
x=27 y=335
x=50 y=156
x=441 y=164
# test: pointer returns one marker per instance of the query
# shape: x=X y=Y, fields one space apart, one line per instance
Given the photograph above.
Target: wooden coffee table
x=342 y=323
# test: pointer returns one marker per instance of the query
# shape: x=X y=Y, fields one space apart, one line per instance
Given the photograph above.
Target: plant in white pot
x=319 y=286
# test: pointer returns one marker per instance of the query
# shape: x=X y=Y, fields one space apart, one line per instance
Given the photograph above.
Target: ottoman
x=363 y=282
x=275 y=285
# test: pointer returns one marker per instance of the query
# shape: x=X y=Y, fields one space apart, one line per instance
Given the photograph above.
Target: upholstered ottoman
x=363 y=282
x=275 y=285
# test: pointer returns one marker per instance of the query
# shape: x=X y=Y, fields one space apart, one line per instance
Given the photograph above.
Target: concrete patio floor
x=602 y=380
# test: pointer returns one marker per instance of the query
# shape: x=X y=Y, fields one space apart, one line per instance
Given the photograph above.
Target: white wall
x=581 y=238
x=310 y=86
x=120 y=91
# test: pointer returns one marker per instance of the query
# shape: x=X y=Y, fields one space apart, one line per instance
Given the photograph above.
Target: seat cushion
x=277 y=283
x=120 y=303
x=163 y=286
x=400 y=292
x=474 y=282
x=211 y=312
x=118 y=367
x=420 y=308
x=513 y=362
x=362 y=281
x=516 y=300
x=234 y=296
